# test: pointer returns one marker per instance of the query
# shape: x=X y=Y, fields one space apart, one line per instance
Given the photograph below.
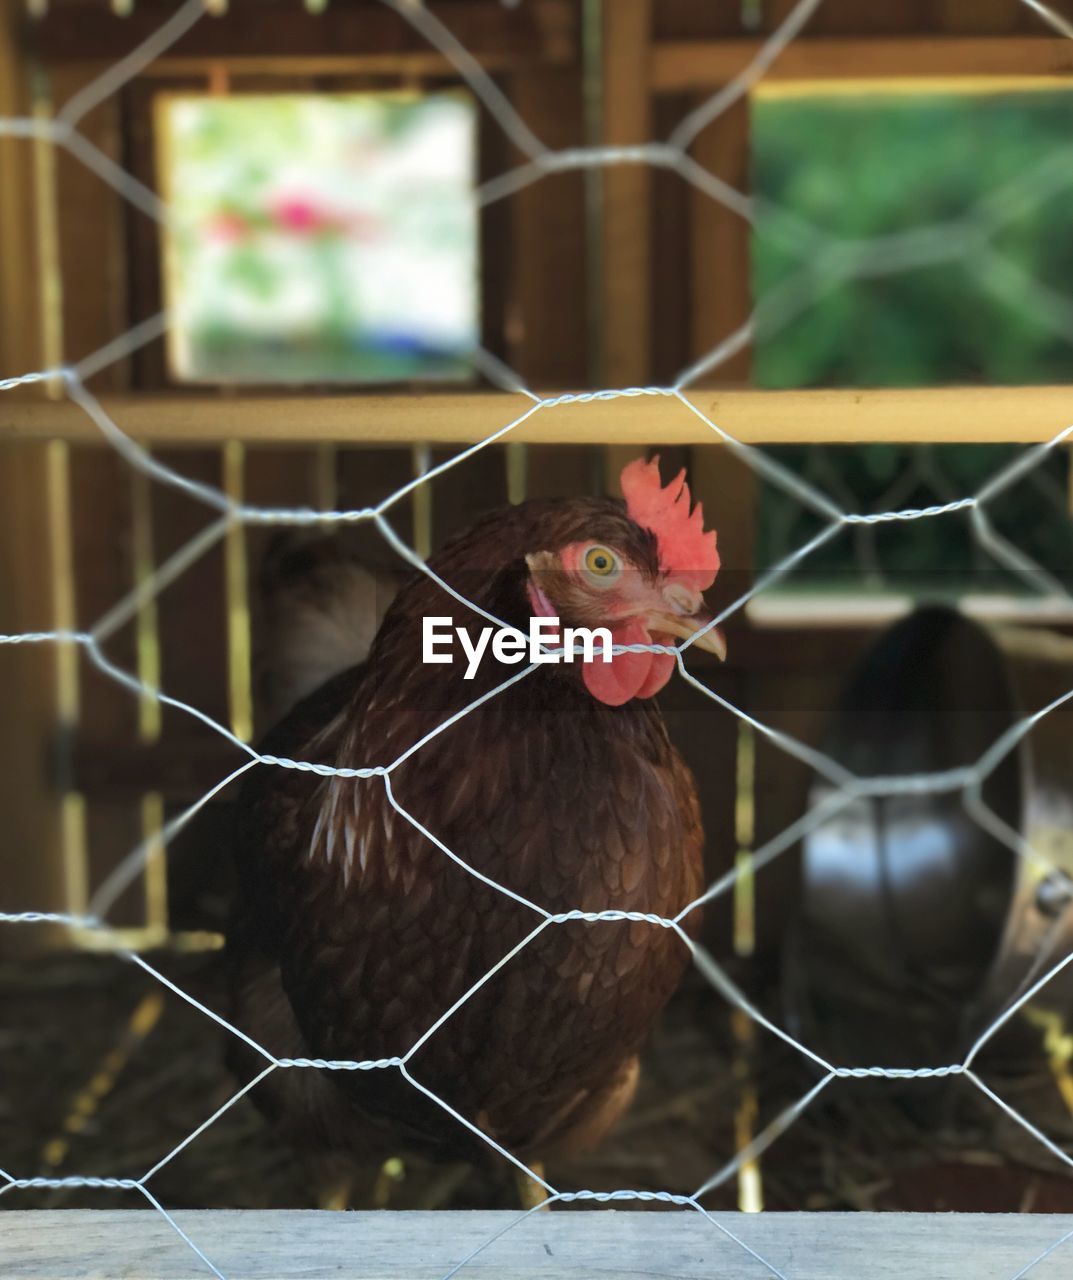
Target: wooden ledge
x=561 y=1245
x=695 y=65
x=962 y=415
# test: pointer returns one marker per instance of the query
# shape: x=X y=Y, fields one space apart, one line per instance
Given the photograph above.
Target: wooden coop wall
x=613 y=279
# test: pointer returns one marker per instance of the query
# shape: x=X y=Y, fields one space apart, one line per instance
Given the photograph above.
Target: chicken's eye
x=601 y=562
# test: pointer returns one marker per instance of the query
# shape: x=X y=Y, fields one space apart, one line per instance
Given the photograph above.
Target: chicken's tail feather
x=321 y=607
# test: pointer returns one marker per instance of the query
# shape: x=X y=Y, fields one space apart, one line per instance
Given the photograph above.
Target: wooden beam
x=704 y=64
x=277 y=29
x=952 y=415
x=379 y=1245
x=416 y=62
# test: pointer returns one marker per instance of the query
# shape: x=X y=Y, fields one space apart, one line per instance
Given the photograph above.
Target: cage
x=288 y=284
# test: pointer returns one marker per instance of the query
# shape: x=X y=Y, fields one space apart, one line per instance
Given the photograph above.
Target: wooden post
x=720 y=304
x=549 y=344
x=627 y=116
x=33 y=871
x=89 y=225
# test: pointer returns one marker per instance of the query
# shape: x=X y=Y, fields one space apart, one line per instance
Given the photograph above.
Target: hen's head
x=637 y=569
x=639 y=573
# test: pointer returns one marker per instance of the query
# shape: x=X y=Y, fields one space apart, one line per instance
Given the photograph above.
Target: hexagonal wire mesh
x=946 y=241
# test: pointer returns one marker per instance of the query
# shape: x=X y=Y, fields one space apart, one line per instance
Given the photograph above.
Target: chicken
x=355 y=929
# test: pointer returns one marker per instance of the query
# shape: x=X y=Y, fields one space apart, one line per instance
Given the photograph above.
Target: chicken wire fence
x=946 y=242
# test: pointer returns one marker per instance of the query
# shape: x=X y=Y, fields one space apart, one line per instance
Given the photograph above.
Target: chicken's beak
x=681 y=613
x=711 y=641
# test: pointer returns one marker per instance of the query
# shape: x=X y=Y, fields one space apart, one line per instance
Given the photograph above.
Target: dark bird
x=354 y=931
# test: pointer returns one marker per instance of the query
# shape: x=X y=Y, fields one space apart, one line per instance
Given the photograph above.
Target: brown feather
x=369 y=932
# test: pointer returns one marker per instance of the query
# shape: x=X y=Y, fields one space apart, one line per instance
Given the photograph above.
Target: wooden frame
x=682 y=1244
x=535 y=47
x=699 y=64
x=980 y=415
x=531 y=247
x=496 y=35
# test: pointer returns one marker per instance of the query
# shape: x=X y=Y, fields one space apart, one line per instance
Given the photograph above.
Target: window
x=992 y=303
x=327 y=238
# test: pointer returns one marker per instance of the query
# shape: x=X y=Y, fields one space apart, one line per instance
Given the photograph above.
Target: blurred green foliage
x=969 y=282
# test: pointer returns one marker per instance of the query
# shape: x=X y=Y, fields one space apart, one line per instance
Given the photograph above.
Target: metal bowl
x=917 y=925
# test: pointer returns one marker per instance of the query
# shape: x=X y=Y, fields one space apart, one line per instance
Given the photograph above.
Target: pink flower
x=300 y=215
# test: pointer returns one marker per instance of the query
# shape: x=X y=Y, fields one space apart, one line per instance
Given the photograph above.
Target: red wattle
x=660 y=670
x=628 y=675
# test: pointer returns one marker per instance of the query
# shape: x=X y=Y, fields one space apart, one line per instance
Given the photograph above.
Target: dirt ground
x=103 y=1072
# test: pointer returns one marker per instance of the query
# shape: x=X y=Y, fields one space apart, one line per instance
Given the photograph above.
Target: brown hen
x=355 y=929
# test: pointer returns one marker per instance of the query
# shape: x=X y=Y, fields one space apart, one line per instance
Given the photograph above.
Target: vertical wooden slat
x=720 y=298
x=368 y=476
x=193 y=626
x=421 y=459
x=477 y=485
x=626 y=265
x=90 y=227
x=719 y=302
x=60 y=566
x=236 y=582
x=142 y=242
x=31 y=862
x=32 y=873
x=20 y=343
x=517 y=462
x=92 y=269
x=102 y=517
x=672 y=252
x=548 y=340
x=154 y=886
x=61 y=575
x=194 y=667
x=494 y=156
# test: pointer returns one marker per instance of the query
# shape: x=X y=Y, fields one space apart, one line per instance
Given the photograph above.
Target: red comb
x=686 y=552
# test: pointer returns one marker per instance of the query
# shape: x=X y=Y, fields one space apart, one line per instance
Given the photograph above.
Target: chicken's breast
x=375 y=931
